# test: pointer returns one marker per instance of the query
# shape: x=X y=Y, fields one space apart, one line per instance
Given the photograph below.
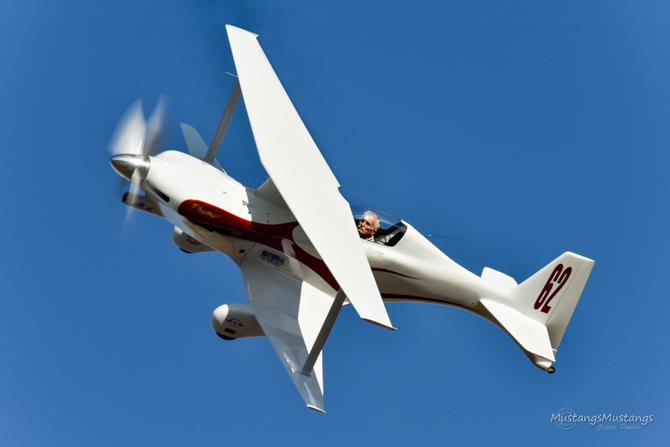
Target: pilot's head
x=368 y=225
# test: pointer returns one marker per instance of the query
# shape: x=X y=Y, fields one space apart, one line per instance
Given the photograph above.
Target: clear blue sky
x=522 y=128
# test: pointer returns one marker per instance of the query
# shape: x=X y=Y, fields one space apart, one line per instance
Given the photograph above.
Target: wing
x=303 y=178
x=291 y=313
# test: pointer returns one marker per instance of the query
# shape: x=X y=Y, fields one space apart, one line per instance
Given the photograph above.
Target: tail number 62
x=558 y=277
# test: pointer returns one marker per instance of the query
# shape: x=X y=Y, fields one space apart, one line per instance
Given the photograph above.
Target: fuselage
x=246 y=225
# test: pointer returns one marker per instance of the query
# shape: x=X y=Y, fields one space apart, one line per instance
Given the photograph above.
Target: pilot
x=368 y=226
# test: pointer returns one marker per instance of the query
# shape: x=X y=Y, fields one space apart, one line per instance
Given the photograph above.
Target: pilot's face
x=366 y=226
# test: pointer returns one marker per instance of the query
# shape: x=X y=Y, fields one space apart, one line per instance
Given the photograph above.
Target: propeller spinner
x=131 y=144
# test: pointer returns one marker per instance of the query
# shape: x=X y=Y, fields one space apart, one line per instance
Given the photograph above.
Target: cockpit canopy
x=391 y=229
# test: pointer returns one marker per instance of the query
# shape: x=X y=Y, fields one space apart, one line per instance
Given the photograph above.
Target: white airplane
x=297 y=245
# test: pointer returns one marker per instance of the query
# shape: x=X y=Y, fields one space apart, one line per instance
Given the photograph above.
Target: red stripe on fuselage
x=376 y=269
x=278 y=237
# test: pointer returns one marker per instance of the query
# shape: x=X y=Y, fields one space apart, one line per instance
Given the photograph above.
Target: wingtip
x=233 y=29
x=384 y=325
x=320 y=410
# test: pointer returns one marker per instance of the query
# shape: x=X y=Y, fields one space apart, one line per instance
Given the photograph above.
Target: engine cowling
x=235 y=320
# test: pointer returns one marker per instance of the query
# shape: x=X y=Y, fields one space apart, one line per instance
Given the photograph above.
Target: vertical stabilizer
x=551 y=295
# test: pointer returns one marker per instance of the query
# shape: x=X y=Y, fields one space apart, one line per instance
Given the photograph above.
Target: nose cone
x=133 y=168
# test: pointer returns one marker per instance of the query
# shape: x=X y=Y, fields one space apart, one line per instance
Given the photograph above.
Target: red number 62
x=555 y=277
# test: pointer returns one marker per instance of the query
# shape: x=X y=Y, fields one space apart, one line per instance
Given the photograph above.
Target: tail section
x=540 y=308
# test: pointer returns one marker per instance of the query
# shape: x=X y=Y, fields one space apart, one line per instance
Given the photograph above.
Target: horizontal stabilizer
x=528 y=333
